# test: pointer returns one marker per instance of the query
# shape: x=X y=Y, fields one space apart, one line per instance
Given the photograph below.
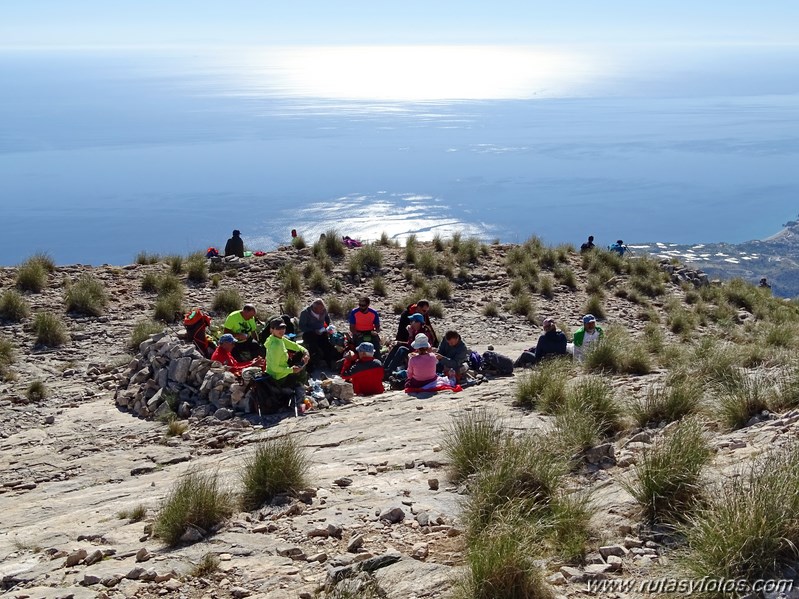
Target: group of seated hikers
x=415 y=358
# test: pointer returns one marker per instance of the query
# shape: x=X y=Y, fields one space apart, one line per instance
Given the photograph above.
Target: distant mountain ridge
x=776 y=258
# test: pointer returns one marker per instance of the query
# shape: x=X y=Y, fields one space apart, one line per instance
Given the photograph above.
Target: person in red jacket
x=223 y=354
x=363 y=371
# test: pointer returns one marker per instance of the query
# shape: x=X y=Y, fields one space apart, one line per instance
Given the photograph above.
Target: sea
x=107 y=152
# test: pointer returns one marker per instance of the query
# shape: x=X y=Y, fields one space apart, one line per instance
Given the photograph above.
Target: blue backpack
x=475 y=361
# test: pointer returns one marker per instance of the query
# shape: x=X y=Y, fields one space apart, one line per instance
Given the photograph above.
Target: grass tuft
x=197 y=269
x=86 y=296
x=210 y=561
x=666 y=478
x=198 y=501
x=544 y=387
x=471 y=442
x=679 y=396
x=49 y=329
x=37 y=391
x=31 y=276
x=226 y=301
x=491 y=310
x=13 y=306
x=279 y=465
x=142 y=330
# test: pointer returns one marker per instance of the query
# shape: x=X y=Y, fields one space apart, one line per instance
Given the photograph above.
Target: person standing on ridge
x=235 y=245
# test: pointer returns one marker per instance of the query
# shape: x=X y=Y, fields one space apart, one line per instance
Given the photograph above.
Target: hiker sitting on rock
x=421 y=307
x=586 y=335
x=764 y=283
x=315 y=328
x=551 y=343
x=223 y=354
x=452 y=355
x=243 y=326
x=363 y=371
x=365 y=324
x=235 y=245
x=421 y=363
x=398 y=356
x=588 y=245
x=287 y=370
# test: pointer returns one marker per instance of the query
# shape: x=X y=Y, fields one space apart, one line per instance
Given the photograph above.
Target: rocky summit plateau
x=92 y=447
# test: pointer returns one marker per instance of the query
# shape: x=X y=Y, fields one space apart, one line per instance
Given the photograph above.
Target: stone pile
x=171 y=376
x=680 y=273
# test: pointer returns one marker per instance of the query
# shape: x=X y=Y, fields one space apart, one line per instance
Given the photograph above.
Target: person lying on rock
x=363 y=371
x=286 y=360
x=244 y=328
x=224 y=355
x=551 y=343
x=421 y=363
x=314 y=326
x=452 y=355
x=398 y=355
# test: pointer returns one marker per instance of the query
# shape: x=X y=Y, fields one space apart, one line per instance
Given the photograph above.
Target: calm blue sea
x=104 y=153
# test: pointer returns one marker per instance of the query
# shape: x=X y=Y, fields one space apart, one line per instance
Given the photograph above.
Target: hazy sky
x=211 y=22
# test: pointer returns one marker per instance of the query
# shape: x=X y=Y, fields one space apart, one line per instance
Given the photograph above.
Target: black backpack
x=269 y=397
x=497 y=363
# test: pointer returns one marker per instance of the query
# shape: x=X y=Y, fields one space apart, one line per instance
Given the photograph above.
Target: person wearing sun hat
x=586 y=335
x=421 y=363
x=224 y=355
x=363 y=371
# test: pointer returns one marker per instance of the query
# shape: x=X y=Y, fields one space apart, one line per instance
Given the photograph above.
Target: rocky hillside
x=387 y=511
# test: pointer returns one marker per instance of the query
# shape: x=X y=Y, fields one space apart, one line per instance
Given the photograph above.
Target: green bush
x=442 y=289
x=522 y=305
x=227 y=301
x=679 y=396
x=86 y=296
x=436 y=310
x=278 y=465
x=335 y=307
x=169 y=307
x=366 y=258
x=291 y=304
x=743 y=397
x=7 y=354
x=298 y=242
x=198 y=501
x=13 y=306
x=197 y=269
x=594 y=395
x=594 y=306
x=142 y=330
x=566 y=276
x=666 y=477
x=318 y=282
x=501 y=564
x=168 y=284
x=438 y=243
x=385 y=240
x=44 y=260
x=575 y=430
x=175 y=264
x=471 y=442
x=491 y=310
x=379 y=286
x=36 y=391
x=31 y=276
x=546 y=286
x=544 y=387
x=468 y=251
x=49 y=329
x=150 y=282
x=147 y=258
x=749 y=528
x=209 y=562
x=290 y=279
x=427 y=262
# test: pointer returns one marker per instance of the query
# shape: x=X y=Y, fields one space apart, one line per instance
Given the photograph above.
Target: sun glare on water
x=417 y=73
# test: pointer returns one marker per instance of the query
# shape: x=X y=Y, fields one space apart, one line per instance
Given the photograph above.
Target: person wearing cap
x=551 y=343
x=287 y=370
x=588 y=245
x=235 y=245
x=619 y=248
x=244 y=328
x=363 y=370
x=452 y=355
x=398 y=355
x=421 y=307
x=314 y=326
x=585 y=336
x=365 y=324
x=421 y=363
x=224 y=355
